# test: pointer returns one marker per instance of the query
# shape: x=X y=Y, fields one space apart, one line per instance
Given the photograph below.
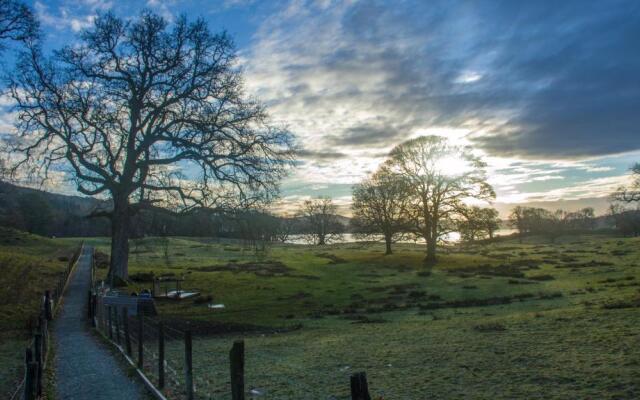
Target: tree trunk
x=387 y=242
x=321 y=240
x=430 y=259
x=120 y=225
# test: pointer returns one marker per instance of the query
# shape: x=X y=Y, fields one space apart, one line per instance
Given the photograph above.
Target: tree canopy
x=140 y=111
x=631 y=193
x=17 y=23
x=320 y=220
x=440 y=177
x=380 y=206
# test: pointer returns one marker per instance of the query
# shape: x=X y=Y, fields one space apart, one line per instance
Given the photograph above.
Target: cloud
x=319 y=155
x=594 y=188
x=73 y=17
x=531 y=79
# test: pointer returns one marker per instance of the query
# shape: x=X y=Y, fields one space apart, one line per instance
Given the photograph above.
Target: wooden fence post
x=236 y=358
x=359 y=387
x=117 y=318
x=104 y=318
x=90 y=306
x=110 y=322
x=48 y=311
x=44 y=328
x=95 y=310
x=160 y=355
x=127 y=335
x=101 y=319
x=140 y=341
x=38 y=359
x=30 y=376
x=188 y=365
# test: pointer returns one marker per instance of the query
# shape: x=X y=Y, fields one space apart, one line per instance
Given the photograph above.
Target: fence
x=163 y=355
x=37 y=351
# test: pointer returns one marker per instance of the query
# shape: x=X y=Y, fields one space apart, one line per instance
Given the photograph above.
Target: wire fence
x=37 y=351
x=163 y=354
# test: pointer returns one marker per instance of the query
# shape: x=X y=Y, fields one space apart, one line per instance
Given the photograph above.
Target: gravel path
x=85 y=369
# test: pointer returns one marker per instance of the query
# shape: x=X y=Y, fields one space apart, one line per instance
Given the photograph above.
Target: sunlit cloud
x=550 y=113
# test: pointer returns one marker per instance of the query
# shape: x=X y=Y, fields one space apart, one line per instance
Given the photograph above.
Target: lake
x=351 y=238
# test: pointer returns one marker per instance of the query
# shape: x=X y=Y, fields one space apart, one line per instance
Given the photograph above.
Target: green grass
x=503 y=320
x=29 y=265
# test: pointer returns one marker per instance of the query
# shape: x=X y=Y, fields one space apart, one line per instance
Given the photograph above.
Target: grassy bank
x=499 y=320
x=29 y=265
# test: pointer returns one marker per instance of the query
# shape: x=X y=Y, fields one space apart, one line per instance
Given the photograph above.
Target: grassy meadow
x=29 y=265
x=500 y=320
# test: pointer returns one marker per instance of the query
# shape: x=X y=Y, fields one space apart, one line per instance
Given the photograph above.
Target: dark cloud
x=372 y=134
x=319 y=155
x=543 y=78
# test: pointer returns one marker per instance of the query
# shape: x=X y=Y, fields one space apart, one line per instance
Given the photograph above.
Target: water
x=352 y=238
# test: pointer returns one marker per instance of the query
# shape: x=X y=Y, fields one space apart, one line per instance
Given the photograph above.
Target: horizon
x=549 y=105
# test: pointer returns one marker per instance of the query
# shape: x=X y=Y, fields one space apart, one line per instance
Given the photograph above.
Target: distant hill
x=51 y=214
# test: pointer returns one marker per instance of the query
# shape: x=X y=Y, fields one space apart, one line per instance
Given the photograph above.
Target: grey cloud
x=319 y=155
x=557 y=78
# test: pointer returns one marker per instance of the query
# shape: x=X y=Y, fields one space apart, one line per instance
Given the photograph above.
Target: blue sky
x=547 y=91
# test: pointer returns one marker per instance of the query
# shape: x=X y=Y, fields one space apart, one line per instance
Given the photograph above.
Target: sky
x=548 y=92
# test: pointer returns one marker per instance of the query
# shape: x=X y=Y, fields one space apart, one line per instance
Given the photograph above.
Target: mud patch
x=514 y=270
x=333 y=259
x=265 y=268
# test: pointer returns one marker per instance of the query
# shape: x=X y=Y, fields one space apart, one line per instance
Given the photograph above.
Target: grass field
x=502 y=320
x=29 y=265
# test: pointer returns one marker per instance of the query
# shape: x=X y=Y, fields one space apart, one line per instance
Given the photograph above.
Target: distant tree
x=478 y=223
x=538 y=221
x=581 y=220
x=133 y=104
x=321 y=221
x=631 y=193
x=627 y=222
x=530 y=219
x=440 y=176
x=491 y=221
x=553 y=224
x=17 y=23
x=36 y=213
x=380 y=205
x=284 y=228
x=258 y=228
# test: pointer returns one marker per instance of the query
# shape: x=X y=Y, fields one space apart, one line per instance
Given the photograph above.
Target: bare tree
x=321 y=221
x=17 y=23
x=380 y=207
x=630 y=194
x=440 y=176
x=284 y=228
x=141 y=112
x=478 y=223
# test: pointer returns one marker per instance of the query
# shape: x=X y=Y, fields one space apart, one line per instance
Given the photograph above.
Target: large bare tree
x=441 y=176
x=321 y=221
x=139 y=111
x=380 y=206
x=17 y=23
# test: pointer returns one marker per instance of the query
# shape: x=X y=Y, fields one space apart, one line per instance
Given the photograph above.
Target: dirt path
x=85 y=369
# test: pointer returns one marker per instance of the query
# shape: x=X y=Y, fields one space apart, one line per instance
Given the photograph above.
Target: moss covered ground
x=500 y=320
